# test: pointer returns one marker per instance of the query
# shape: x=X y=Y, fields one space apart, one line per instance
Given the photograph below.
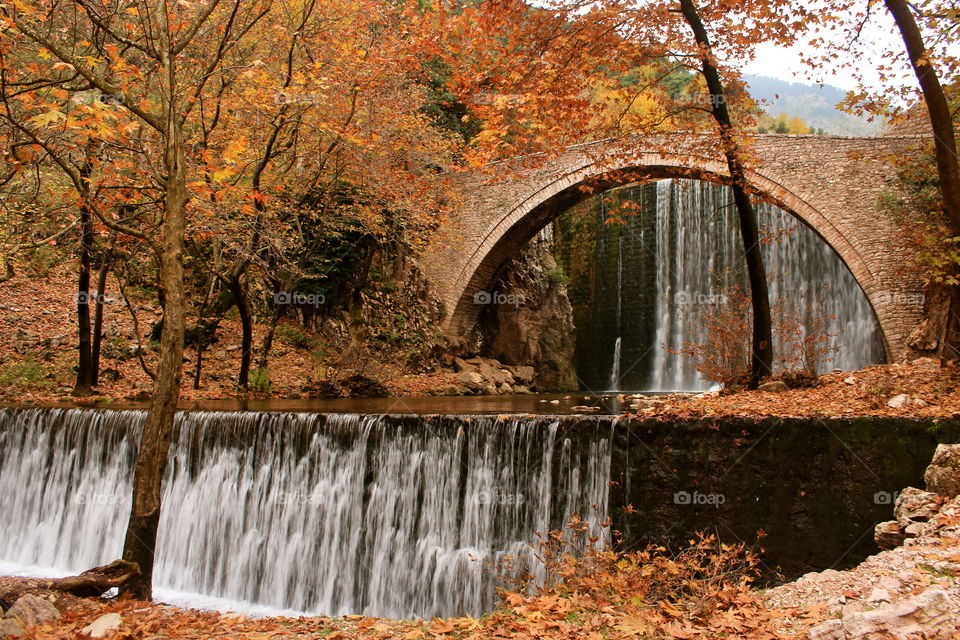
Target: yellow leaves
x=235 y=149
x=222 y=175
x=48 y=118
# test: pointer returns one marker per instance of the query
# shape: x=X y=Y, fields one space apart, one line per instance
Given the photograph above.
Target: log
x=93 y=582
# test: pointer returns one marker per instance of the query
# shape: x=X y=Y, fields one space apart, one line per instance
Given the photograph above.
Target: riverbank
x=38 y=338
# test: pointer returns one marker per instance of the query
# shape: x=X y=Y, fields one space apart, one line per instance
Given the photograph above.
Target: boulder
x=10 y=628
x=470 y=379
x=505 y=389
x=943 y=475
x=491 y=373
x=915 y=505
x=460 y=365
x=888 y=535
x=929 y=613
x=898 y=401
x=523 y=373
x=103 y=625
x=30 y=610
x=774 y=386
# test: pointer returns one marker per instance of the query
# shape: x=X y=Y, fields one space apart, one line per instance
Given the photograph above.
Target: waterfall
x=675 y=261
x=396 y=516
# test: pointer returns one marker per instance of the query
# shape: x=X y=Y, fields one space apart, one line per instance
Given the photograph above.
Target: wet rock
x=31 y=610
x=774 y=386
x=103 y=625
x=10 y=628
x=915 y=505
x=898 y=401
x=943 y=475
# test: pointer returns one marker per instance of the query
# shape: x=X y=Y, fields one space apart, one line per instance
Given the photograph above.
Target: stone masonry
x=831 y=183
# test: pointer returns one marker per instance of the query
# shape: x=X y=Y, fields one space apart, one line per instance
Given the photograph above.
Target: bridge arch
x=501 y=217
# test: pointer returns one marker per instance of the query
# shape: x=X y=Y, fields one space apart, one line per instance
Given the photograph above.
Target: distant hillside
x=816 y=105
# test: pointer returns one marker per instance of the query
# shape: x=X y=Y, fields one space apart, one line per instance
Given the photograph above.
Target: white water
x=698 y=256
x=398 y=517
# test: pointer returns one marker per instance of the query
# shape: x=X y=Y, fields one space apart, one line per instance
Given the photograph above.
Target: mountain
x=816 y=105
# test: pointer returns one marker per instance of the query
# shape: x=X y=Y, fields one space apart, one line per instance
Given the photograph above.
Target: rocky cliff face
x=529 y=320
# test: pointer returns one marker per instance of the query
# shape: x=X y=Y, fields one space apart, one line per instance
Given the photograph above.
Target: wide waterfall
x=391 y=516
x=675 y=258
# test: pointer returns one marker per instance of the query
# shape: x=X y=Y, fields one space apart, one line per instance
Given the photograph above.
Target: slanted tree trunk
x=140 y=543
x=762 y=347
x=945 y=150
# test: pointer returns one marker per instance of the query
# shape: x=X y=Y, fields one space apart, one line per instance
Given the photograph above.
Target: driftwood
x=92 y=582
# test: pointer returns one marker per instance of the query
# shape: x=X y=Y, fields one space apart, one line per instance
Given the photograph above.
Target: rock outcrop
x=532 y=326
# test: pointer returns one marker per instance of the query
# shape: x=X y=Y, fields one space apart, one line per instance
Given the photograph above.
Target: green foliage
x=25 y=373
x=116 y=348
x=297 y=337
x=556 y=275
x=260 y=381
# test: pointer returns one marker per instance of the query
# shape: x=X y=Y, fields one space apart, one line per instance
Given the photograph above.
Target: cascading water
x=333 y=514
x=674 y=262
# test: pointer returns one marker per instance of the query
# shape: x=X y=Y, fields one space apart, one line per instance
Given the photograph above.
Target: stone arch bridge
x=833 y=184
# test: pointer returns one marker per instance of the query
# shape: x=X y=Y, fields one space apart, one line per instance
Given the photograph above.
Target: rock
x=460 y=365
x=521 y=389
x=943 y=475
x=888 y=535
x=898 y=401
x=491 y=373
x=878 y=595
x=103 y=625
x=505 y=389
x=522 y=373
x=31 y=610
x=10 y=628
x=928 y=613
x=774 y=386
x=850 y=380
x=914 y=505
x=470 y=379
x=233 y=347
x=507 y=376
x=919 y=402
x=361 y=386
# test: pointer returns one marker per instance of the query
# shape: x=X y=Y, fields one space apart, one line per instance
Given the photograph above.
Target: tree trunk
x=98 y=320
x=762 y=348
x=945 y=149
x=246 y=326
x=140 y=543
x=84 y=383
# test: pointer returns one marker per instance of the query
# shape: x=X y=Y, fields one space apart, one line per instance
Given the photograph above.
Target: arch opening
x=527 y=219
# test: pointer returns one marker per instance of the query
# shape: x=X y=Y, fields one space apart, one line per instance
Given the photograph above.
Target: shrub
x=297 y=337
x=259 y=381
